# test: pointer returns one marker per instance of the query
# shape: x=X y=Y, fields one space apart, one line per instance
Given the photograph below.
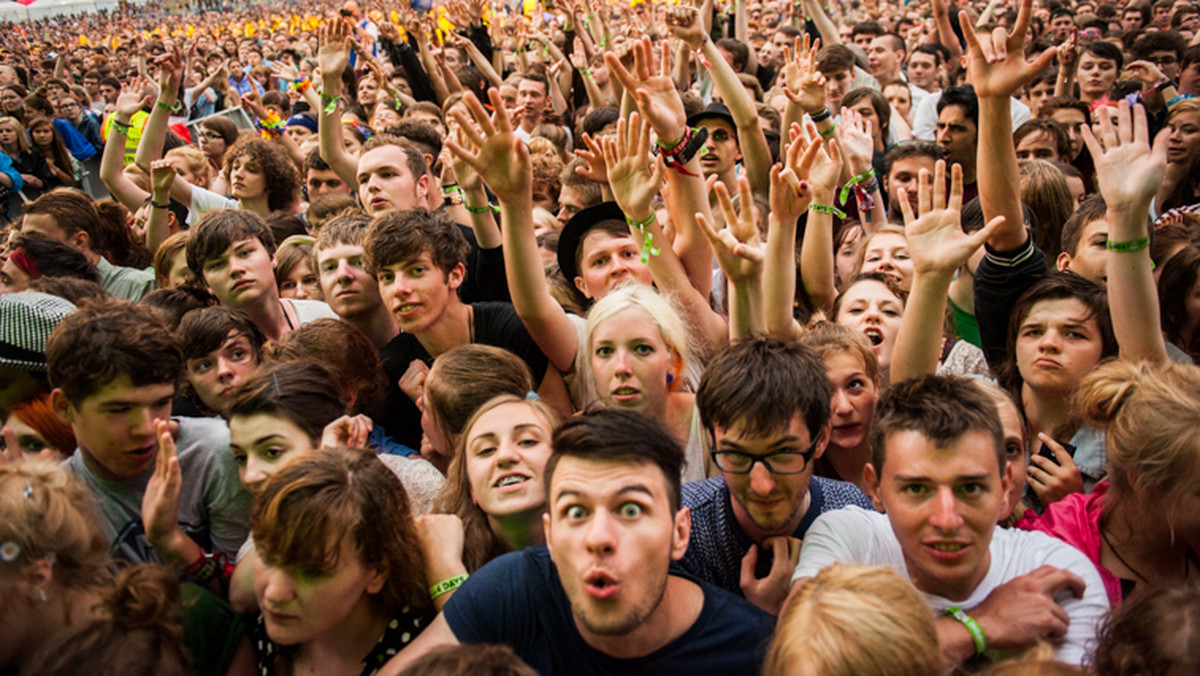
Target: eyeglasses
x=719 y=135
x=781 y=462
x=67 y=106
x=1164 y=61
x=211 y=136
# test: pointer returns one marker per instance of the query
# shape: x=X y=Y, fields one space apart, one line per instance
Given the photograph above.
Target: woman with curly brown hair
x=262 y=179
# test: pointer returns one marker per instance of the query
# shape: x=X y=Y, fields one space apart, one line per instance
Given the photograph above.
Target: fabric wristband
x=170 y=109
x=850 y=185
x=1130 y=246
x=647 y=246
x=826 y=209
x=972 y=626
x=480 y=210
x=446 y=586
x=821 y=116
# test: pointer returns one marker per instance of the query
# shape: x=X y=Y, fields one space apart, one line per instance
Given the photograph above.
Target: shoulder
x=700 y=494
x=1020 y=552
x=834 y=494
x=312 y=310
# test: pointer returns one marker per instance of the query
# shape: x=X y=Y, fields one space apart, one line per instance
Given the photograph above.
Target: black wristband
x=156 y=205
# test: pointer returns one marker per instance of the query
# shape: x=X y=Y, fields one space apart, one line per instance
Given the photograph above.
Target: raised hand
x=162 y=176
x=684 y=23
x=1067 y=54
x=131 y=98
x=492 y=149
x=334 y=54
x=791 y=193
x=826 y=167
x=170 y=71
x=739 y=248
x=389 y=31
x=996 y=62
x=635 y=178
x=1128 y=170
x=160 y=502
x=804 y=85
x=350 y=431
x=935 y=237
x=593 y=154
x=656 y=96
x=1145 y=72
x=283 y=71
x=854 y=135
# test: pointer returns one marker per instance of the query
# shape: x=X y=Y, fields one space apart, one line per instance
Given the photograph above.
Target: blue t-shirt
x=717 y=543
x=518 y=600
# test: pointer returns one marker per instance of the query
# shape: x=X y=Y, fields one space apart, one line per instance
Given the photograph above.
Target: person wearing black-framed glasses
x=765 y=406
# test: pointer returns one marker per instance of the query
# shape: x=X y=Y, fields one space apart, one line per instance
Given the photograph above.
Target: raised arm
x=332 y=59
x=945 y=32
x=635 y=179
x=154 y=134
x=1064 y=84
x=787 y=205
x=502 y=160
x=740 y=253
x=938 y=247
x=1128 y=172
x=112 y=162
x=825 y=26
x=854 y=135
x=817 y=271
x=804 y=86
x=997 y=68
x=684 y=22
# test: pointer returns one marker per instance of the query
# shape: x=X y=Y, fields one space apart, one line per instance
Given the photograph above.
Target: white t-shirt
x=854 y=535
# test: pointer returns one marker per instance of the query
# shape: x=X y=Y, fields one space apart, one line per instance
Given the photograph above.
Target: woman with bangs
x=340 y=581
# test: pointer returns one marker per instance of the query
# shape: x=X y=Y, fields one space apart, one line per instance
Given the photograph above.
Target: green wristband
x=446 y=586
x=972 y=626
x=1130 y=246
x=826 y=209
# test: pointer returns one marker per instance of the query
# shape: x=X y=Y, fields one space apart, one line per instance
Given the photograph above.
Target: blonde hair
x=22 y=139
x=45 y=511
x=661 y=311
x=196 y=161
x=861 y=620
x=1149 y=413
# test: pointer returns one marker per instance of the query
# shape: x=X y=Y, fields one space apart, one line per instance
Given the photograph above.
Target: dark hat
x=303 y=120
x=26 y=320
x=714 y=109
x=577 y=228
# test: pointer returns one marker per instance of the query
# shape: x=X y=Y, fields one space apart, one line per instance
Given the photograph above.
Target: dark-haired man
x=600 y=597
x=940 y=476
x=765 y=405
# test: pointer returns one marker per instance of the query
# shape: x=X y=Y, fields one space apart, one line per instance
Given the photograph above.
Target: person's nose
x=761 y=480
x=945 y=517
x=600 y=538
x=255 y=474
x=840 y=402
x=279 y=589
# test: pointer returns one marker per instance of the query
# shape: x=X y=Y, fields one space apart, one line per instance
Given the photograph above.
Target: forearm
x=918 y=344
x=825 y=26
x=157 y=229
x=817 y=272
x=330 y=133
x=177 y=550
x=954 y=640
x=154 y=134
x=484 y=65
x=487 y=233
x=998 y=177
x=746 y=318
x=945 y=32
x=687 y=195
x=1064 y=84
x=1132 y=293
x=112 y=164
x=779 y=275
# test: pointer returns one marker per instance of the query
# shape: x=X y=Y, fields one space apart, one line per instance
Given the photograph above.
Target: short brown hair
x=413 y=156
x=218 y=230
x=941 y=408
x=72 y=210
x=105 y=340
x=400 y=236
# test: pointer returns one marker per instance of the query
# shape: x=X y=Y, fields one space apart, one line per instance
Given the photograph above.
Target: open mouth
x=874 y=335
x=601 y=585
x=511 y=480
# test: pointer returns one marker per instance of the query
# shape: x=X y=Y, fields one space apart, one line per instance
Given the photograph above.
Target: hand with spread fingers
x=738 y=246
x=633 y=174
x=492 y=149
x=655 y=93
x=803 y=83
x=936 y=240
x=996 y=64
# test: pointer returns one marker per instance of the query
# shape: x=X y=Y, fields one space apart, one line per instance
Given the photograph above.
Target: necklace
x=288 y=319
x=1187 y=560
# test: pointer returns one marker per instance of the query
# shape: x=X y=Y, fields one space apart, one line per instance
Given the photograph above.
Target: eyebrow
x=493 y=435
x=902 y=478
x=634 y=488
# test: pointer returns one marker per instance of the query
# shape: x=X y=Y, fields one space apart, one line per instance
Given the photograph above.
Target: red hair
x=36 y=412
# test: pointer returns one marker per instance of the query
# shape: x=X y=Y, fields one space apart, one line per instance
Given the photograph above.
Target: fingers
x=924 y=192
x=726 y=204
x=939 y=185
x=707 y=228
x=956 y=188
x=749 y=561
x=905 y=207
x=12 y=452
x=1057 y=580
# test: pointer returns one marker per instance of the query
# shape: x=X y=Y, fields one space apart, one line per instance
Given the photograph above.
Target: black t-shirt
x=496 y=324
x=518 y=600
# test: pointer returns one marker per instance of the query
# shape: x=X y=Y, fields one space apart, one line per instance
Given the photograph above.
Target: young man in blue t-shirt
x=600 y=597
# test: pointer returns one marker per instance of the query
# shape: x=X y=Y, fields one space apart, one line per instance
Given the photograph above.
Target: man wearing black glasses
x=765 y=405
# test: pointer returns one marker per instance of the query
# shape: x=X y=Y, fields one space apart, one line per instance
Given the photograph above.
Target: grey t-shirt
x=214 y=509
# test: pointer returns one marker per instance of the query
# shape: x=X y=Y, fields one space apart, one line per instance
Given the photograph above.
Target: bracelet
x=271 y=126
x=1130 y=246
x=330 y=102
x=826 y=209
x=301 y=85
x=1177 y=99
x=209 y=566
x=821 y=116
x=853 y=183
x=170 y=109
x=972 y=626
x=668 y=147
x=156 y=205
x=700 y=53
x=1161 y=84
x=828 y=132
x=446 y=586
x=122 y=127
x=480 y=210
x=585 y=72
x=647 y=249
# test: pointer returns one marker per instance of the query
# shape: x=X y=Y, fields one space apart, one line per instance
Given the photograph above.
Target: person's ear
x=1063 y=262
x=62 y=406
x=546 y=533
x=378 y=579
x=79 y=240
x=871 y=478
x=422 y=188
x=582 y=286
x=681 y=533
x=823 y=442
x=456 y=276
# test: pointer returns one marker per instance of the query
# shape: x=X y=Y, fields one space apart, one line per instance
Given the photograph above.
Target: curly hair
x=280 y=177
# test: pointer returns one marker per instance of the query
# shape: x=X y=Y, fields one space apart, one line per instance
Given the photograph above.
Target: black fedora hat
x=577 y=228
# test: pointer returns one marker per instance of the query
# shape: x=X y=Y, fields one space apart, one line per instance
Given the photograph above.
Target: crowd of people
x=595 y=337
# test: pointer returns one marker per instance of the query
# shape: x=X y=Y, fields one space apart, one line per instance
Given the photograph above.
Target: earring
x=41 y=594
x=670 y=378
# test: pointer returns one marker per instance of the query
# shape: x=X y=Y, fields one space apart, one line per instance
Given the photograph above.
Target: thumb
x=749 y=561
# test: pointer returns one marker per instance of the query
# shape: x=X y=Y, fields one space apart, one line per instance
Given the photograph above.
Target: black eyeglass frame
x=807 y=454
